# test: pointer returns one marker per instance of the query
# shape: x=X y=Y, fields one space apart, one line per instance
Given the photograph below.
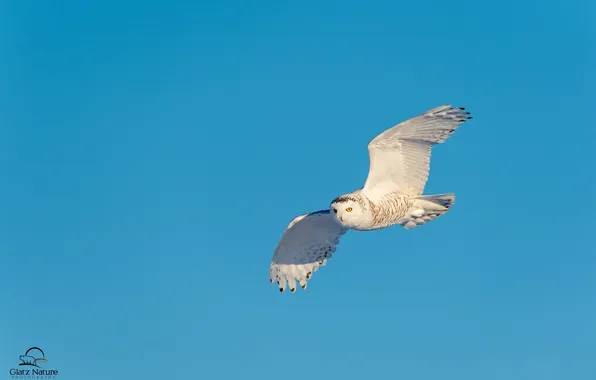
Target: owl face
x=348 y=212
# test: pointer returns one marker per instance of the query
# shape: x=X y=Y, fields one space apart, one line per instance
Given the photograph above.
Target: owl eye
x=349 y=209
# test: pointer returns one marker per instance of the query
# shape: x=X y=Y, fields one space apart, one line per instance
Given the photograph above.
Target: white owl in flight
x=392 y=194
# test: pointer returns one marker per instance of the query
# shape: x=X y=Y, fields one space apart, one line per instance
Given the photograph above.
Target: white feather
x=400 y=156
x=307 y=243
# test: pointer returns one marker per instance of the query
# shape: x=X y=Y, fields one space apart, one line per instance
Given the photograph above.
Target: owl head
x=350 y=211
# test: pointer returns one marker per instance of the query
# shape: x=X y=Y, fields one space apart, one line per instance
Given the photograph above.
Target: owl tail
x=427 y=208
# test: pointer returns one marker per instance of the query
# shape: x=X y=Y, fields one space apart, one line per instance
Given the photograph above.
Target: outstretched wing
x=400 y=156
x=307 y=243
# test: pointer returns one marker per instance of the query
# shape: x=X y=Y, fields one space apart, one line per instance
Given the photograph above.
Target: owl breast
x=388 y=210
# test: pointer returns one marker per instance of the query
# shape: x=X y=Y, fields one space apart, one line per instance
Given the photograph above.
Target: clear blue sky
x=152 y=154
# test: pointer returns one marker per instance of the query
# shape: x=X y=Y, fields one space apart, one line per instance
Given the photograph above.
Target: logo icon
x=33 y=357
x=29 y=366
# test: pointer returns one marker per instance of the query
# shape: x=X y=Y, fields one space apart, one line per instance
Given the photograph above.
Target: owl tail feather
x=427 y=208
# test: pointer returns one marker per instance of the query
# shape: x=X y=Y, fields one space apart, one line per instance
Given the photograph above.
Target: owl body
x=356 y=211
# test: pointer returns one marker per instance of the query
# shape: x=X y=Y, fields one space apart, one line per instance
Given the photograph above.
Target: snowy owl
x=392 y=194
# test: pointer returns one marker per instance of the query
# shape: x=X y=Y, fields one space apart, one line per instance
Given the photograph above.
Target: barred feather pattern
x=388 y=210
x=307 y=243
x=400 y=156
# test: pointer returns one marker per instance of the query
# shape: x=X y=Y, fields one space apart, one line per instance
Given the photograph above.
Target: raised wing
x=400 y=156
x=307 y=243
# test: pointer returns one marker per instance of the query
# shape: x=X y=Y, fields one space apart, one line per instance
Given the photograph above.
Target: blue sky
x=151 y=155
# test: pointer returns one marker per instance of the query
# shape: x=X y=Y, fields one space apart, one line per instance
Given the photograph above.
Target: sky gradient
x=152 y=154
